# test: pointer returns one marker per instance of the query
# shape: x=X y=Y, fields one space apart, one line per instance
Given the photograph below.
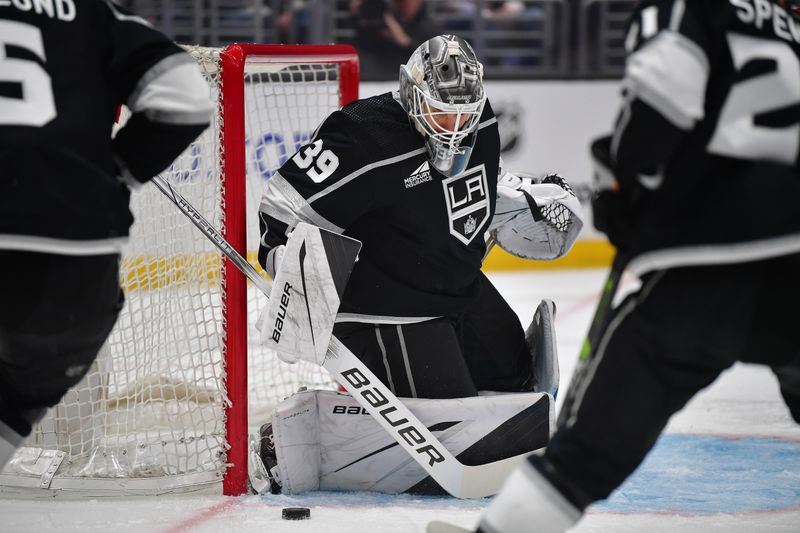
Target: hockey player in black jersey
x=65 y=67
x=416 y=176
x=705 y=157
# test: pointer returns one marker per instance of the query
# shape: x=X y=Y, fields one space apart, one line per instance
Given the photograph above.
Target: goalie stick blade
x=443 y=527
x=458 y=479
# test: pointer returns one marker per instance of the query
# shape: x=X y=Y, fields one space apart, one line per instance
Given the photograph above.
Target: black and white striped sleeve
x=664 y=86
x=164 y=90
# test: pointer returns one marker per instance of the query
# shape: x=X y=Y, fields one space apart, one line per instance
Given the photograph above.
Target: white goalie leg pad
x=541 y=339
x=295 y=428
x=527 y=501
x=325 y=440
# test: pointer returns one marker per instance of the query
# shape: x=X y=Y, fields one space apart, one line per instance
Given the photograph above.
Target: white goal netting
x=150 y=415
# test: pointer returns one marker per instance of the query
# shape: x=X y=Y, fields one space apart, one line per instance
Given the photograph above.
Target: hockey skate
x=541 y=339
x=264 y=462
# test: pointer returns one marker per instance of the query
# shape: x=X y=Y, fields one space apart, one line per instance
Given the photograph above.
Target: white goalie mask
x=441 y=89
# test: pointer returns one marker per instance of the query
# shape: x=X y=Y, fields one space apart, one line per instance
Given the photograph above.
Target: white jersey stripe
x=378 y=164
x=650 y=76
x=376 y=319
x=124 y=17
x=379 y=337
x=715 y=254
x=675 y=19
x=366 y=168
x=30 y=243
x=406 y=362
x=172 y=92
x=630 y=305
x=283 y=202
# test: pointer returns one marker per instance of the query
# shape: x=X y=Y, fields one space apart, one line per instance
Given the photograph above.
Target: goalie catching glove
x=536 y=218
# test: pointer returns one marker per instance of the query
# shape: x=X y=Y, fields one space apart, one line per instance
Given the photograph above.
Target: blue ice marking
x=702 y=474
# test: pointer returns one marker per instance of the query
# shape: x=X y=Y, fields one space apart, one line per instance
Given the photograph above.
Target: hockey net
x=169 y=401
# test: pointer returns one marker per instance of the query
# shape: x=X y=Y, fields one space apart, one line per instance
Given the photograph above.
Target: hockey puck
x=296 y=513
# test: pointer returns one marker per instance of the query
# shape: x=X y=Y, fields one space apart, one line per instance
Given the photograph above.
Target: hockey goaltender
x=416 y=176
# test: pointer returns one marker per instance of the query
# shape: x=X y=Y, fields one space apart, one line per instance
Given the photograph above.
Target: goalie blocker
x=298 y=320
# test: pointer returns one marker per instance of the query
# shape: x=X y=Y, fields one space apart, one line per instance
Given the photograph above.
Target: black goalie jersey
x=711 y=131
x=365 y=174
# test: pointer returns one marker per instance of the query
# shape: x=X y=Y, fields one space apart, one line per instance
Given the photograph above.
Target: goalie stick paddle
x=458 y=479
x=596 y=328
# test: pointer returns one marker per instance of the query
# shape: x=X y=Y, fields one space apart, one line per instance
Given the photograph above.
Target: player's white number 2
x=320 y=163
x=36 y=105
x=737 y=132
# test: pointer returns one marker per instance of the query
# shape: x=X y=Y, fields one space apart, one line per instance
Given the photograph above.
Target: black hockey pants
x=482 y=349
x=56 y=311
x=666 y=342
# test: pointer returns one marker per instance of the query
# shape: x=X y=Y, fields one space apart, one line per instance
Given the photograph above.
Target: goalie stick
x=596 y=328
x=458 y=479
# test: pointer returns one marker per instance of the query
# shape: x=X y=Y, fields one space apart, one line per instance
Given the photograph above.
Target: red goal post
x=183 y=378
x=232 y=62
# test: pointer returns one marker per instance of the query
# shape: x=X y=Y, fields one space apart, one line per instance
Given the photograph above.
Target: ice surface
x=730 y=462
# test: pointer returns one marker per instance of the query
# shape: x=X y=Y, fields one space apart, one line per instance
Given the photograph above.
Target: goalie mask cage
x=169 y=401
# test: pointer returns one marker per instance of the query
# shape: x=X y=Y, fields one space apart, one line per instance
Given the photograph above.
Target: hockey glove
x=617 y=199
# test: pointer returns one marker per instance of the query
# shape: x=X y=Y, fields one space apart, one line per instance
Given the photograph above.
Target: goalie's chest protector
x=442 y=215
x=424 y=238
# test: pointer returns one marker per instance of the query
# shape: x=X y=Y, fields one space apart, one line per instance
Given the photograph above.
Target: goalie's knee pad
x=541 y=339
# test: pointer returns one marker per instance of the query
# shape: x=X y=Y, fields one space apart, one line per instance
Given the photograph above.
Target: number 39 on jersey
x=319 y=164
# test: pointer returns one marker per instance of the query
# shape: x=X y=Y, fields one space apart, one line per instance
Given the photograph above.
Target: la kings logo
x=420 y=175
x=467 y=203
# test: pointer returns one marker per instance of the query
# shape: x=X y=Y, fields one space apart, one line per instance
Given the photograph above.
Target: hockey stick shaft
x=394 y=417
x=596 y=329
x=213 y=235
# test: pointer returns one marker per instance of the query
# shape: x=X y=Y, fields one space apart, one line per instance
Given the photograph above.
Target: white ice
x=744 y=402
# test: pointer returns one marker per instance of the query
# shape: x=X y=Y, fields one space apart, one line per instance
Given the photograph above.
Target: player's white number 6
x=322 y=163
x=36 y=105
